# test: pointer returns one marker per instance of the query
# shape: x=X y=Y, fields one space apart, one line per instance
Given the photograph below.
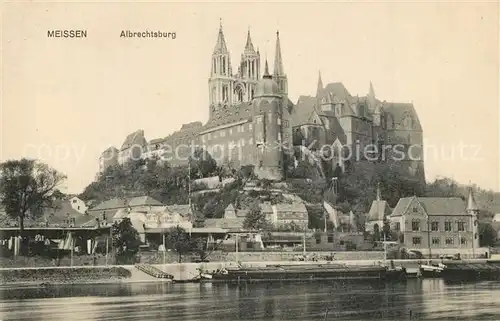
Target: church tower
x=473 y=210
x=279 y=75
x=267 y=119
x=220 y=84
x=249 y=72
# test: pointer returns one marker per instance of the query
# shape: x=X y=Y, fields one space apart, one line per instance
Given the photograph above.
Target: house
x=286 y=214
x=232 y=220
x=78 y=205
x=379 y=211
x=438 y=225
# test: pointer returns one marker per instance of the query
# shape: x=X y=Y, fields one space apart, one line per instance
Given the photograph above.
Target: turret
x=473 y=210
x=279 y=75
x=220 y=86
x=249 y=69
x=267 y=120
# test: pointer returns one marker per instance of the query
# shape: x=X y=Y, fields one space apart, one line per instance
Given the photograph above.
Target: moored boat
x=307 y=273
x=431 y=270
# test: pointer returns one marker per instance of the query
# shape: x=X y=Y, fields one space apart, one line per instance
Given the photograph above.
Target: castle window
x=436 y=240
x=461 y=226
x=449 y=241
x=398 y=226
x=417 y=241
x=285 y=123
x=415 y=225
x=434 y=226
x=463 y=240
x=447 y=226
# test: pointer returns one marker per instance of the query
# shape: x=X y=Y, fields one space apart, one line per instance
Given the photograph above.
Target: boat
x=431 y=270
x=306 y=272
x=471 y=272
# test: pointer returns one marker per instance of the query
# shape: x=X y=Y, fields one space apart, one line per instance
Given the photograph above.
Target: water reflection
x=429 y=299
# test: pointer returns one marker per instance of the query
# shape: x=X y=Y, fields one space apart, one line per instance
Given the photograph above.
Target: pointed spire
x=266 y=71
x=372 y=91
x=471 y=202
x=249 y=45
x=220 y=45
x=278 y=61
x=320 y=84
x=379 y=198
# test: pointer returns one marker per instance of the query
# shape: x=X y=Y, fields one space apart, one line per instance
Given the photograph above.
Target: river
x=415 y=299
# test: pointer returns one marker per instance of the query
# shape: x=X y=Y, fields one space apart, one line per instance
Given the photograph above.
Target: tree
x=255 y=219
x=27 y=188
x=181 y=242
x=202 y=164
x=487 y=234
x=126 y=241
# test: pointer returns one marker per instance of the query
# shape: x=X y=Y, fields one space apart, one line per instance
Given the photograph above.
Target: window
x=475 y=236
x=285 y=123
x=242 y=142
x=223 y=133
x=449 y=241
x=447 y=226
x=461 y=226
x=415 y=210
x=436 y=241
x=261 y=163
x=398 y=226
x=463 y=240
x=415 y=225
x=318 y=240
x=417 y=241
x=249 y=126
x=330 y=238
x=74 y=201
x=278 y=120
x=434 y=226
x=78 y=207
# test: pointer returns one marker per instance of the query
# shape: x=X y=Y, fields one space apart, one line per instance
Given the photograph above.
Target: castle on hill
x=252 y=121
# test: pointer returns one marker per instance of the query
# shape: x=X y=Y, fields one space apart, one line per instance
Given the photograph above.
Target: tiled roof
x=432 y=205
x=398 y=111
x=230 y=114
x=144 y=201
x=378 y=210
x=114 y=203
x=225 y=223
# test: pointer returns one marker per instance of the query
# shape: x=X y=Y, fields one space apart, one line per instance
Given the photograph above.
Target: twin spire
x=221 y=48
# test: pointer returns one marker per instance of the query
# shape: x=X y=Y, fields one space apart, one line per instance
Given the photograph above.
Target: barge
x=307 y=273
x=471 y=271
x=431 y=270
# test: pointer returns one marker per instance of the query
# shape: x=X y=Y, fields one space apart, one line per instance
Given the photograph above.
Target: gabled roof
x=378 y=210
x=183 y=210
x=114 y=203
x=144 y=201
x=398 y=111
x=432 y=205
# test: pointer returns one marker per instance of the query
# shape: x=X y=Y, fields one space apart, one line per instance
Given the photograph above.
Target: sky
x=64 y=101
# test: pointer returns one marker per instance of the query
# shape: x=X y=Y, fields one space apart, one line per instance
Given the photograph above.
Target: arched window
x=238 y=93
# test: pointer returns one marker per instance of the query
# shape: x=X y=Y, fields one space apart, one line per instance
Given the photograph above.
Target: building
x=284 y=215
x=253 y=122
x=379 y=211
x=108 y=158
x=439 y=225
x=133 y=147
x=78 y=205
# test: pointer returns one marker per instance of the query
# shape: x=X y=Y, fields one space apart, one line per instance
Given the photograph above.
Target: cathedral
x=253 y=122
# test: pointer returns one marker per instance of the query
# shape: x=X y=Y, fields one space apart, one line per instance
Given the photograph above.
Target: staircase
x=154 y=272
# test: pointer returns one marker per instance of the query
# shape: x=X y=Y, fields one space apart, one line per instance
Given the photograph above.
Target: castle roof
x=267 y=86
x=136 y=138
x=399 y=111
x=432 y=205
x=230 y=114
